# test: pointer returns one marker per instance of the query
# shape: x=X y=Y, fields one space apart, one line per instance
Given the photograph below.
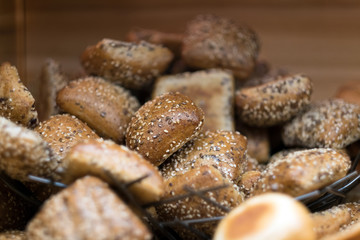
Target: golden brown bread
x=273 y=102
x=330 y=123
x=215 y=42
x=13 y=235
x=63 y=131
x=223 y=150
x=16 y=102
x=14 y=210
x=303 y=171
x=194 y=207
x=110 y=162
x=106 y=108
x=248 y=181
x=268 y=216
x=52 y=80
x=88 y=209
x=133 y=65
x=163 y=125
x=212 y=91
x=336 y=219
x=172 y=41
x=24 y=152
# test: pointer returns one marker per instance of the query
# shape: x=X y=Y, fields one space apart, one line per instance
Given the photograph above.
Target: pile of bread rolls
x=169 y=116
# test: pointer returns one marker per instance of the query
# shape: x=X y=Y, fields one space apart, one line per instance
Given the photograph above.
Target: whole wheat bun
x=133 y=65
x=163 y=125
x=268 y=216
x=88 y=209
x=114 y=164
x=105 y=107
x=16 y=102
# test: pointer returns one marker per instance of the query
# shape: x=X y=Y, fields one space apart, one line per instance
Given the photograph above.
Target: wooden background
x=318 y=38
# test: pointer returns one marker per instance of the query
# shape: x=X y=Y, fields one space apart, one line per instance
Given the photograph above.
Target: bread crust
x=330 y=123
x=215 y=42
x=133 y=65
x=303 y=171
x=273 y=102
x=87 y=209
x=106 y=108
x=163 y=125
x=223 y=150
x=110 y=161
x=16 y=102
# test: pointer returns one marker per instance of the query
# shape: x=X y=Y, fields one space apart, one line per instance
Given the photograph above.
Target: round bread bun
x=16 y=102
x=303 y=171
x=223 y=150
x=63 y=131
x=133 y=65
x=330 y=123
x=194 y=207
x=163 y=125
x=106 y=108
x=24 y=152
x=114 y=163
x=268 y=216
x=88 y=209
x=273 y=102
x=215 y=42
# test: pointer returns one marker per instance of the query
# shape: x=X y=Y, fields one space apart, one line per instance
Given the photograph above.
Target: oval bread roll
x=88 y=209
x=16 y=102
x=106 y=108
x=163 y=125
x=303 y=171
x=268 y=216
x=330 y=123
x=24 y=152
x=133 y=65
x=110 y=162
x=216 y=42
x=273 y=102
x=223 y=150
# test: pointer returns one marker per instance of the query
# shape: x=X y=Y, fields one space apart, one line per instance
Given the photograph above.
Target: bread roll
x=163 y=125
x=88 y=209
x=215 y=42
x=223 y=150
x=194 y=207
x=24 y=152
x=13 y=235
x=268 y=216
x=330 y=123
x=106 y=108
x=16 y=102
x=133 y=65
x=110 y=162
x=303 y=171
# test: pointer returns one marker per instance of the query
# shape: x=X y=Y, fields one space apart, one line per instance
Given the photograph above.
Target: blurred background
x=318 y=38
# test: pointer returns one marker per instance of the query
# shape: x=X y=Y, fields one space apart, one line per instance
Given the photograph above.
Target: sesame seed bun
x=163 y=125
x=106 y=108
x=133 y=65
x=16 y=102
x=330 y=123
x=88 y=209
x=215 y=42
x=273 y=102
x=303 y=171
x=110 y=161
